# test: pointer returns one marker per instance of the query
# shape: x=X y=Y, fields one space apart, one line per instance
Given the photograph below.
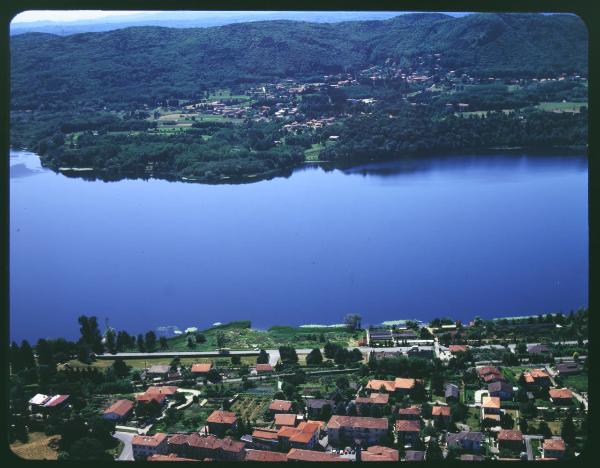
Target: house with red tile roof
x=313 y=456
x=554 y=448
x=280 y=406
x=399 y=385
x=341 y=429
x=305 y=436
x=145 y=397
x=264 y=368
x=168 y=458
x=378 y=453
x=144 y=445
x=119 y=410
x=220 y=421
x=408 y=430
x=561 y=396
x=412 y=412
x=167 y=390
x=374 y=399
x=509 y=439
x=536 y=377
x=264 y=438
x=56 y=402
x=265 y=456
x=201 y=369
x=455 y=349
x=441 y=414
x=490 y=408
x=200 y=447
x=285 y=420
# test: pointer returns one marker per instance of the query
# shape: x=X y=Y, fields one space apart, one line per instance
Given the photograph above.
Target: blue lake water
x=458 y=236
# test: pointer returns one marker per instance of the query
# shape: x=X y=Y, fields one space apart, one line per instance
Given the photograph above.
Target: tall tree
x=164 y=344
x=314 y=357
x=352 y=321
x=141 y=344
x=150 y=341
x=90 y=333
x=110 y=341
x=27 y=357
x=263 y=357
x=434 y=452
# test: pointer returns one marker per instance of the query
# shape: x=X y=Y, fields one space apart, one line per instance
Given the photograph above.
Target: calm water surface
x=460 y=236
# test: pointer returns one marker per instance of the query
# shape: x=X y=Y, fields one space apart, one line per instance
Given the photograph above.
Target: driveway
x=528 y=438
x=126 y=438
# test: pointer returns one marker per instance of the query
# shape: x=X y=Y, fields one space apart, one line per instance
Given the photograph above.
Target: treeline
x=107 y=68
x=414 y=130
x=232 y=151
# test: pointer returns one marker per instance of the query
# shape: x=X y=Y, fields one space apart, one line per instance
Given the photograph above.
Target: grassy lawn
x=39 y=447
x=579 y=383
x=568 y=106
x=513 y=374
x=536 y=448
x=190 y=419
x=472 y=419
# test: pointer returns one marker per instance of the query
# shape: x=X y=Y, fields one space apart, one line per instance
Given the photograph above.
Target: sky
x=79 y=15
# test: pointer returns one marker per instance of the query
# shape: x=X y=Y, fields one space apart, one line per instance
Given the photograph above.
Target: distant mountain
x=140 y=62
x=192 y=19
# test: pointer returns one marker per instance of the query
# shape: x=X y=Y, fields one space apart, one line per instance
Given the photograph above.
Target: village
x=407 y=391
x=315 y=109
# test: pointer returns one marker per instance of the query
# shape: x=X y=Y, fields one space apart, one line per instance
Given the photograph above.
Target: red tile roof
x=490 y=402
x=265 y=456
x=269 y=434
x=375 y=384
x=301 y=434
x=56 y=400
x=280 y=405
x=379 y=453
x=408 y=425
x=120 y=407
x=412 y=410
x=313 y=456
x=149 y=441
x=170 y=457
x=374 y=399
x=222 y=417
x=166 y=390
x=560 y=393
x=201 y=368
x=554 y=444
x=535 y=374
x=209 y=442
x=285 y=419
x=457 y=348
x=336 y=422
x=264 y=368
x=440 y=411
x=231 y=445
x=506 y=434
x=146 y=397
x=405 y=384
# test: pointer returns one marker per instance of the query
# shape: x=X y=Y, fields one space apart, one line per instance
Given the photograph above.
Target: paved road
x=528 y=439
x=125 y=437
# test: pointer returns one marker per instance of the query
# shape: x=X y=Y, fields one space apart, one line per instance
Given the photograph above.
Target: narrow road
x=528 y=439
x=127 y=452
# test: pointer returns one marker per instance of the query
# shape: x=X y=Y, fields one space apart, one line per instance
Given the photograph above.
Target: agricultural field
x=569 y=106
x=39 y=447
x=579 y=383
x=239 y=336
x=252 y=408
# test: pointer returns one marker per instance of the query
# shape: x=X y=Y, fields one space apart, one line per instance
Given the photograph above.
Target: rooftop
x=408 y=425
x=149 y=441
x=490 y=402
x=201 y=368
x=120 y=407
x=285 y=419
x=313 y=456
x=560 y=393
x=506 y=434
x=280 y=405
x=222 y=417
x=356 y=421
x=440 y=411
x=265 y=456
x=554 y=444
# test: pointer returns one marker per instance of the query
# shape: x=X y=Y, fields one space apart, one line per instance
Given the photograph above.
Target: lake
x=489 y=235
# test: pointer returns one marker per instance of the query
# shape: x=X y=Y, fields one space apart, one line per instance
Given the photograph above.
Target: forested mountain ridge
x=138 y=64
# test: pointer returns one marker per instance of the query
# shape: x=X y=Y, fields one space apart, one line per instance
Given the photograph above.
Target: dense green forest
x=142 y=64
x=415 y=130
